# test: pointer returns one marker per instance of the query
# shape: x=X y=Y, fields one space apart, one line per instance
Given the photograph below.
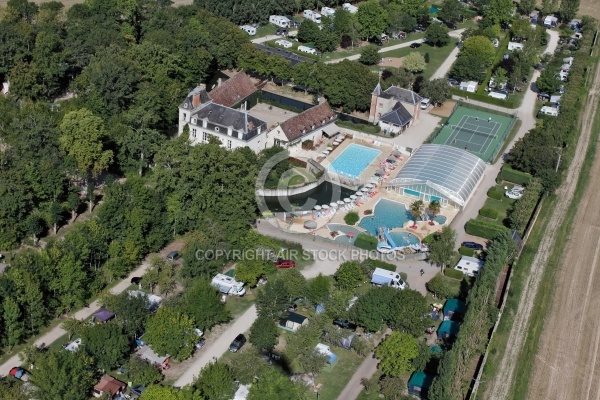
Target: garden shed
x=469 y=86
x=454 y=308
x=419 y=384
x=448 y=329
x=294 y=321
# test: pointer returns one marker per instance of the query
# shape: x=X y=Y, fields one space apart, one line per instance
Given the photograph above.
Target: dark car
x=472 y=245
x=344 y=323
x=376 y=40
x=281 y=263
x=136 y=280
x=172 y=256
x=137 y=390
x=452 y=82
x=237 y=343
x=415 y=45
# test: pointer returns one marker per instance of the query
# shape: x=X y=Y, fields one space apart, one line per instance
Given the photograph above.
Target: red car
x=284 y=263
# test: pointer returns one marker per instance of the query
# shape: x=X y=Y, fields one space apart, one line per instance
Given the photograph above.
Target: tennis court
x=479 y=132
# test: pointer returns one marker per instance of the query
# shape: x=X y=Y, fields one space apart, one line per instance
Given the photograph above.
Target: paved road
x=329 y=256
x=457 y=33
x=57 y=332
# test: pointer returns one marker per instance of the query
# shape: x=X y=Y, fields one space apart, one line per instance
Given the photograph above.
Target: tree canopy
x=170 y=331
x=396 y=353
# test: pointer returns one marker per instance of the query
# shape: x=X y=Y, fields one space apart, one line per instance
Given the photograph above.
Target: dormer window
x=216 y=129
x=194 y=121
x=185 y=105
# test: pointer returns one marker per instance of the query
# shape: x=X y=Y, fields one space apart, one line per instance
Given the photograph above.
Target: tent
x=419 y=384
x=469 y=86
x=319 y=308
x=103 y=315
x=326 y=351
x=448 y=329
x=295 y=321
x=454 y=306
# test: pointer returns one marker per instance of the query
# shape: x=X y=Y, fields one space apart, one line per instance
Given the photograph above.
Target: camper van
x=350 y=8
x=469 y=266
x=306 y=49
x=280 y=21
x=515 y=46
x=227 y=285
x=250 y=30
x=549 y=111
x=498 y=95
x=313 y=16
x=284 y=43
x=328 y=11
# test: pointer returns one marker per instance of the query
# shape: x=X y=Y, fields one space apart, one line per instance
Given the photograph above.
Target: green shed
x=452 y=307
x=419 y=384
x=448 y=329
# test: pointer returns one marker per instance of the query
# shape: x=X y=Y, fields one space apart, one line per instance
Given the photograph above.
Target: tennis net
x=456 y=128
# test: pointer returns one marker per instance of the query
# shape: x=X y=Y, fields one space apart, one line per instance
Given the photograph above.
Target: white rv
x=469 y=265
x=250 y=30
x=306 y=49
x=549 y=111
x=328 y=11
x=498 y=95
x=382 y=277
x=284 y=43
x=515 y=46
x=280 y=21
x=228 y=285
x=313 y=16
x=350 y=8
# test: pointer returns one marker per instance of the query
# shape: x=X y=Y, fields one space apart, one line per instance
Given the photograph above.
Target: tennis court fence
x=508 y=129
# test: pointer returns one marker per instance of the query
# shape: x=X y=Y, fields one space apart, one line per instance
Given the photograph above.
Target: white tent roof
x=451 y=171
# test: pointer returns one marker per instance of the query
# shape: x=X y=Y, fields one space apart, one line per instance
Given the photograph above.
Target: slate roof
x=225 y=116
x=401 y=94
x=398 y=116
x=290 y=56
x=307 y=121
x=196 y=97
x=233 y=90
x=296 y=318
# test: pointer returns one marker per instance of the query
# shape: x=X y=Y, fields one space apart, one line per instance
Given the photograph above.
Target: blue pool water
x=386 y=213
x=402 y=239
x=440 y=219
x=353 y=161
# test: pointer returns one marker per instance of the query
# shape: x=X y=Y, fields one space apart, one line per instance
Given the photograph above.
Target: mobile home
x=549 y=111
x=328 y=11
x=306 y=49
x=512 y=46
x=280 y=21
x=250 y=30
x=469 y=265
x=313 y=16
x=350 y=8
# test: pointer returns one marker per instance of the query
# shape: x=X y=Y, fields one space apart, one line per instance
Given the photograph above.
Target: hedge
x=366 y=242
x=483 y=98
x=373 y=129
x=351 y=218
x=484 y=229
x=489 y=213
x=372 y=264
x=453 y=273
x=495 y=193
x=514 y=176
x=465 y=251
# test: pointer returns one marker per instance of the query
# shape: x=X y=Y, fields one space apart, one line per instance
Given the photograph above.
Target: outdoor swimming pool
x=402 y=239
x=388 y=213
x=353 y=161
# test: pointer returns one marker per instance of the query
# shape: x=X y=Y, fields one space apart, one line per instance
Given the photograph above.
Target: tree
x=399 y=20
x=548 y=7
x=318 y=289
x=476 y=55
x=295 y=283
x=272 y=300
x=527 y=6
x=568 y=9
x=73 y=326
x=349 y=275
x=441 y=250
x=312 y=362
x=422 y=359
x=82 y=138
x=142 y=372
x=156 y=392
x=34 y=226
x=439 y=286
x=521 y=28
x=372 y=18
x=203 y=303
x=414 y=62
x=247 y=365
x=308 y=31
x=436 y=90
x=216 y=382
x=416 y=209
x=434 y=208
x=54 y=215
x=107 y=344
x=498 y=11
x=250 y=271
x=170 y=331
x=131 y=311
x=264 y=333
x=437 y=34
x=369 y=55
x=62 y=375
x=410 y=307
x=374 y=308
x=452 y=11
x=547 y=81
x=522 y=209
x=13 y=325
x=392 y=388
x=274 y=385
x=398 y=77
x=396 y=353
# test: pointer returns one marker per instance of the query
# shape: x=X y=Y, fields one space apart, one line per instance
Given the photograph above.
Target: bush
x=359 y=127
x=368 y=212
x=351 y=218
x=514 y=176
x=495 y=193
x=372 y=264
x=465 y=251
x=453 y=273
x=441 y=287
x=366 y=242
x=489 y=213
x=484 y=229
x=429 y=238
x=308 y=144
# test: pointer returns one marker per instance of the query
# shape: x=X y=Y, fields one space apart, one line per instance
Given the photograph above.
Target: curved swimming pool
x=388 y=213
x=404 y=239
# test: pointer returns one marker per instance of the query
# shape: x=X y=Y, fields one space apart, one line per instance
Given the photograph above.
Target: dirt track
x=565 y=366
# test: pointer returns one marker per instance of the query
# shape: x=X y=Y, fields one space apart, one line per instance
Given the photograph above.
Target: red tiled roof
x=307 y=121
x=109 y=384
x=233 y=90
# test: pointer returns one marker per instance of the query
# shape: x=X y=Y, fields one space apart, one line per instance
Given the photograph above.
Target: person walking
x=422 y=272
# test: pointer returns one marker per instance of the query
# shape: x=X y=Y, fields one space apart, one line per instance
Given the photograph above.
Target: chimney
x=196 y=100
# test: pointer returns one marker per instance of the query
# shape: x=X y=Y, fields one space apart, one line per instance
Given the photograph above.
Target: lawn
x=502 y=206
x=238 y=305
x=341 y=53
x=265 y=30
x=436 y=55
x=334 y=378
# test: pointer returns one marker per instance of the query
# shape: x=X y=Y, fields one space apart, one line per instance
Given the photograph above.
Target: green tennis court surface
x=479 y=132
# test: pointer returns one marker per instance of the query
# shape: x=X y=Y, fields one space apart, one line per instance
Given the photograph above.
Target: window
x=185 y=105
x=380 y=104
x=229 y=144
x=184 y=115
x=205 y=136
x=194 y=121
x=216 y=129
x=194 y=133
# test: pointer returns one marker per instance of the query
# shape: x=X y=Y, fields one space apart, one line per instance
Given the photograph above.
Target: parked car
x=281 y=263
x=452 y=82
x=237 y=343
x=344 y=323
x=415 y=45
x=515 y=193
x=472 y=245
x=172 y=256
x=136 y=280
x=376 y=40
x=19 y=373
x=425 y=103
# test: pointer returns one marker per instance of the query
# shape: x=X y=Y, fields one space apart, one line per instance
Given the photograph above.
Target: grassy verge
x=502 y=206
x=545 y=291
x=265 y=30
x=508 y=139
x=356 y=50
x=334 y=378
x=238 y=305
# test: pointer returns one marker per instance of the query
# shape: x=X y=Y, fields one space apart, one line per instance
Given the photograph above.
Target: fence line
x=511 y=124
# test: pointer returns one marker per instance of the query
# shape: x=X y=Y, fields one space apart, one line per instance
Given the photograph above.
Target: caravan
x=313 y=16
x=308 y=50
x=280 y=21
x=350 y=8
x=250 y=30
x=469 y=265
x=328 y=11
x=549 y=111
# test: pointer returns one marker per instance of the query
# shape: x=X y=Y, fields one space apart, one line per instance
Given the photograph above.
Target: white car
x=515 y=193
x=425 y=103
